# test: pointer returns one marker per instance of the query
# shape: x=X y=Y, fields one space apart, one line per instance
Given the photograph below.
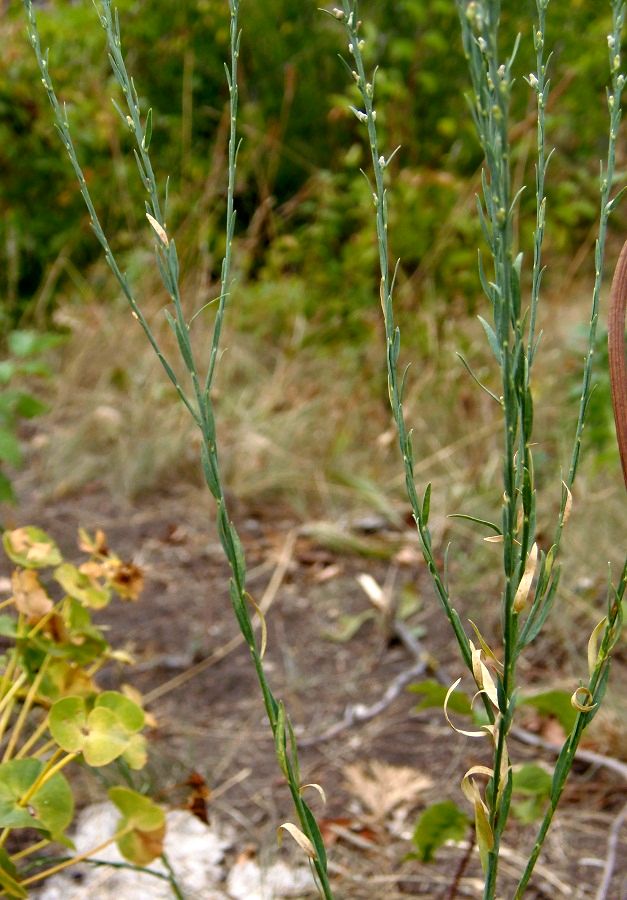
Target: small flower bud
x=533 y=81
x=611 y=43
x=338 y=13
x=482 y=44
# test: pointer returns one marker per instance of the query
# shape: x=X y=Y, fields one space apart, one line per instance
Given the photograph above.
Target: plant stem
x=27 y=704
x=201 y=406
x=73 y=860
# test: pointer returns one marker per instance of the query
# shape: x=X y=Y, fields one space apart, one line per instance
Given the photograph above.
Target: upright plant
x=530 y=575
x=196 y=395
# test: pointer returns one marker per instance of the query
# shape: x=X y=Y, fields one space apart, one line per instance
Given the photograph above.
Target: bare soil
x=210 y=719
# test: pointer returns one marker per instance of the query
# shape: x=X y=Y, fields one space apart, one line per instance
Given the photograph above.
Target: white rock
x=248 y=881
x=194 y=850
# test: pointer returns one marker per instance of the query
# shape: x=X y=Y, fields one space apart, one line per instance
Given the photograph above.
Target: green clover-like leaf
x=49 y=809
x=142 y=824
x=136 y=754
x=31 y=548
x=130 y=715
x=81 y=587
x=102 y=734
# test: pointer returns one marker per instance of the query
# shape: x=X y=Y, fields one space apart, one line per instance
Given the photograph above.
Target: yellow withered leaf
x=484 y=680
x=29 y=596
x=485 y=836
x=316 y=787
x=463 y=731
x=581 y=700
x=373 y=591
x=520 y=600
x=489 y=652
x=300 y=837
x=593 y=645
x=568 y=506
x=158 y=229
x=262 y=622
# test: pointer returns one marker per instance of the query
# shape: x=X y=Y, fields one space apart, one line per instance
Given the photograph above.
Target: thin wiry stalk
x=541 y=84
x=349 y=15
x=200 y=405
x=513 y=341
x=607 y=205
x=600 y=670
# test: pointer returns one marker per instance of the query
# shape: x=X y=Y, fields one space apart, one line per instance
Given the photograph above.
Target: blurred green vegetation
x=303 y=210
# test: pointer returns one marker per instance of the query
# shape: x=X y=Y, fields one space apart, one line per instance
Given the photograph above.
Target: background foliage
x=303 y=213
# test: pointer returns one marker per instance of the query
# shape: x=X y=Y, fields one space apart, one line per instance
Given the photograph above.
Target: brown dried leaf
x=381 y=787
x=97 y=545
x=127 y=580
x=30 y=597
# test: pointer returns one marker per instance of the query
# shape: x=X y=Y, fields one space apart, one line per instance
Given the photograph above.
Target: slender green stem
x=201 y=406
x=420 y=510
x=595 y=688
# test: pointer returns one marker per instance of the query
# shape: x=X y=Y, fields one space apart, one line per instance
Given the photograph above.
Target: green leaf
x=532 y=779
x=101 y=735
x=7 y=494
x=347 y=626
x=433 y=695
x=439 y=823
x=136 y=754
x=28 y=406
x=9 y=885
x=30 y=343
x=49 y=809
x=7 y=371
x=8 y=626
x=10 y=450
x=81 y=587
x=477 y=521
x=556 y=704
x=31 y=547
x=534 y=784
x=130 y=715
x=138 y=810
x=68 y=719
x=144 y=824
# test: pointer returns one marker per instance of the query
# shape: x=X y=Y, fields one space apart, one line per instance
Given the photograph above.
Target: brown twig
x=461 y=868
x=612 y=849
x=616 y=348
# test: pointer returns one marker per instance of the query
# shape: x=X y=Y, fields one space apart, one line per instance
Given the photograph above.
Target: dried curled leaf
x=484 y=680
x=568 y=505
x=158 y=229
x=485 y=836
x=300 y=837
x=489 y=652
x=522 y=594
x=593 y=645
x=262 y=621
x=373 y=591
x=316 y=787
x=127 y=580
x=581 y=700
x=450 y=691
x=29 y=596
x=97 y=545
